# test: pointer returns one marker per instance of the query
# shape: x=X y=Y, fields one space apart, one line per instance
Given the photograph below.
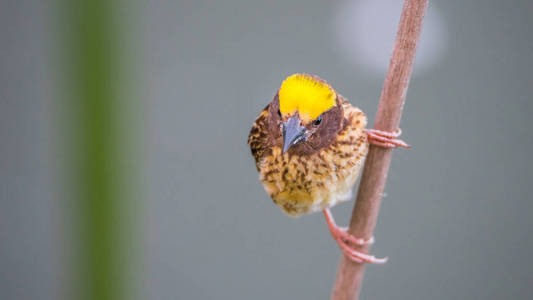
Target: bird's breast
x=305 y=184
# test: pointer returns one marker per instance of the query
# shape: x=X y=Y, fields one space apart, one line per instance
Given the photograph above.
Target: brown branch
x=365 y=212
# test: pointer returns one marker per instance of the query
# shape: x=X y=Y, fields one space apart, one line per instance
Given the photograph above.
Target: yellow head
x=307 y=95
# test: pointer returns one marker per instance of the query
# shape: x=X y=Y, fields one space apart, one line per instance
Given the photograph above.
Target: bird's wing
x=259 y=137
x=356 y=117
x=354 y=131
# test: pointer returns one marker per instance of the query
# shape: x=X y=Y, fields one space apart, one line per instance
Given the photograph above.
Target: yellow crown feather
x=307 y=95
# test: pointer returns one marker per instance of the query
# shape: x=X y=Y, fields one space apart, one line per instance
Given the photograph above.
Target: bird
x=309 y=144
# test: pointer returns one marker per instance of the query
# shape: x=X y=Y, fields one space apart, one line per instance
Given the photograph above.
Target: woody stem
x=365 y=212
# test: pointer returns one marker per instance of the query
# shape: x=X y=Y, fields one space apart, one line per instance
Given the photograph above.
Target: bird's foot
x=347 y=242
x=385 y=139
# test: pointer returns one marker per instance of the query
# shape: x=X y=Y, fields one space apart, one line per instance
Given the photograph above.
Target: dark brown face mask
x=295 y=137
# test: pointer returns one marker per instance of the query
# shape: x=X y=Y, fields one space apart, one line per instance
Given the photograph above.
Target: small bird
x=309 y=144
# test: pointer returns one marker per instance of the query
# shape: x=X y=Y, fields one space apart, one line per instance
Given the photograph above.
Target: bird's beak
x=293 y=132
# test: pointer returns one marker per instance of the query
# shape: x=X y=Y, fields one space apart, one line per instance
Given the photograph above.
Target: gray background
x=457 y=222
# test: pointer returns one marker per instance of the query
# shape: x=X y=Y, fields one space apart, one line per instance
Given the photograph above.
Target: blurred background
x=125 y=174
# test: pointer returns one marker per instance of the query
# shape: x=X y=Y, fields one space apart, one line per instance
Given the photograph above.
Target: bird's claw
x=386 y=139
x=342 y=233
x=346 y=242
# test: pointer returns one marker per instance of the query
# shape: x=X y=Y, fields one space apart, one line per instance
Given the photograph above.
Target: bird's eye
x=279 y=113
x=318 y=121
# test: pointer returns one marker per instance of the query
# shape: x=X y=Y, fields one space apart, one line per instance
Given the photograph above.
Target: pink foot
x=344 y=239
x=385 y=139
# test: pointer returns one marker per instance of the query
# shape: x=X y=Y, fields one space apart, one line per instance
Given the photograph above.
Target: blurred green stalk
x=100 y=152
